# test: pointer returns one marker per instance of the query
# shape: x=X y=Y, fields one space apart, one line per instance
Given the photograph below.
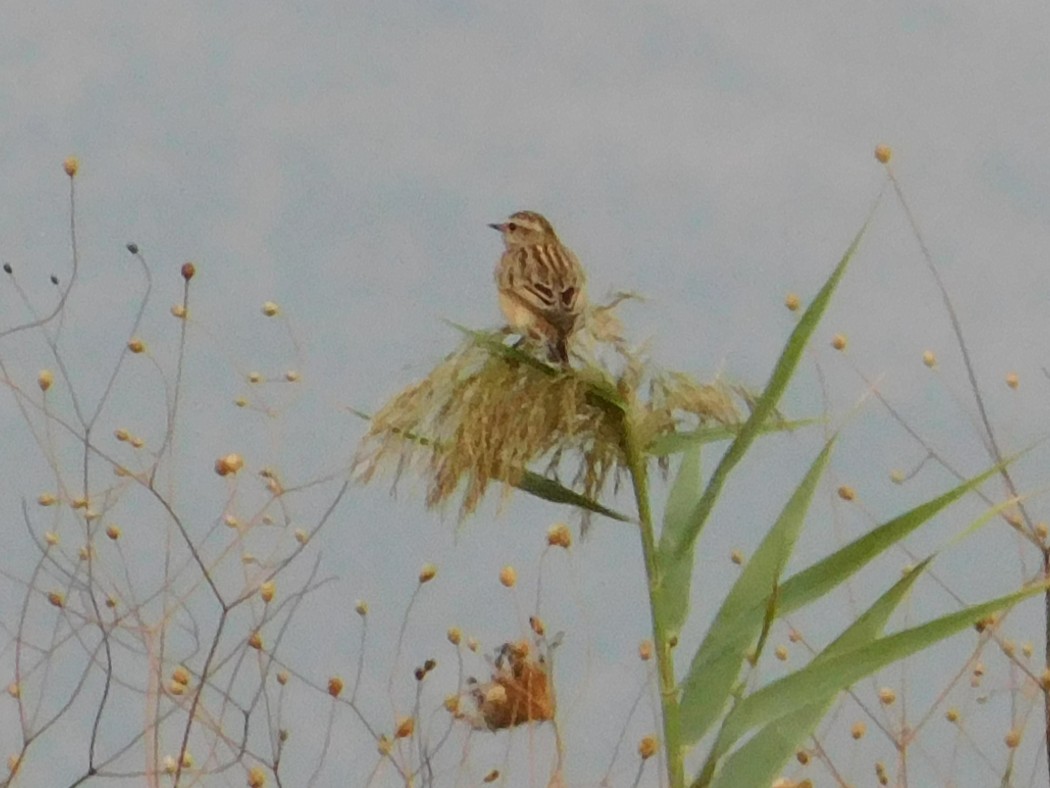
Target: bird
x=541 y=284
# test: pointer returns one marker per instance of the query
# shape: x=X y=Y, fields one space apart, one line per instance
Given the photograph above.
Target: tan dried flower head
x=519 y=692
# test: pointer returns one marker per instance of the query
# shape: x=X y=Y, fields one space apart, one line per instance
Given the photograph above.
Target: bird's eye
x=512 y=227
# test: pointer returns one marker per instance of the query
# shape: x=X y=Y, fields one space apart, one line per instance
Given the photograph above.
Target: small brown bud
x=648 y=747
x=267 y=590
x=508 y=577
x=883 y=153
x=847 y=493
x=136 y=345
x=335 y=686
x=44 y=379
x=838 y=342
x=230 y=464
x=71 y=165
x=427 y=573
x=792 y=302
x=405 y=727
x=645 y=650
x=188 y=270
x=559 y=535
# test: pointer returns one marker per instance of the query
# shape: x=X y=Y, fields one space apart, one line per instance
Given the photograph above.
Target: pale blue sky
x=343 y=159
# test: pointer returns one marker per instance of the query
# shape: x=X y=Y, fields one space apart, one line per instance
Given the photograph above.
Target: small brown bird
x=542 y=286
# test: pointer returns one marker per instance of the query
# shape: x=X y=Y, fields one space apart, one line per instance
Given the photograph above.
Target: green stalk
x=636 y=464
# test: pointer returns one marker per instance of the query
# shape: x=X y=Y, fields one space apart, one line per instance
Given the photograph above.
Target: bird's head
x=525 y=228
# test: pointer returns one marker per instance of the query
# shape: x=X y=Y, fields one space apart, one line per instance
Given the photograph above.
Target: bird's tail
x=558 y=350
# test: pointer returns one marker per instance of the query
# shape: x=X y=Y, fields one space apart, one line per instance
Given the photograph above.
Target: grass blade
x=821 y=577
x=765 y=407
x=677 y=570
x=763 y=756
x=550 y=490
x=717 y=663
x=823 y=677
x=677 y=442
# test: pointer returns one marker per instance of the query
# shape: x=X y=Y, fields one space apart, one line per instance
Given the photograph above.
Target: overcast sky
x=343 y=159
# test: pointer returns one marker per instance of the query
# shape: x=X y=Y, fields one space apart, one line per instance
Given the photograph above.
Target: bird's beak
x=499 y=227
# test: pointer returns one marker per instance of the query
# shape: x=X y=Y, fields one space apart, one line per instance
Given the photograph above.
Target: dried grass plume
x=490 y=412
